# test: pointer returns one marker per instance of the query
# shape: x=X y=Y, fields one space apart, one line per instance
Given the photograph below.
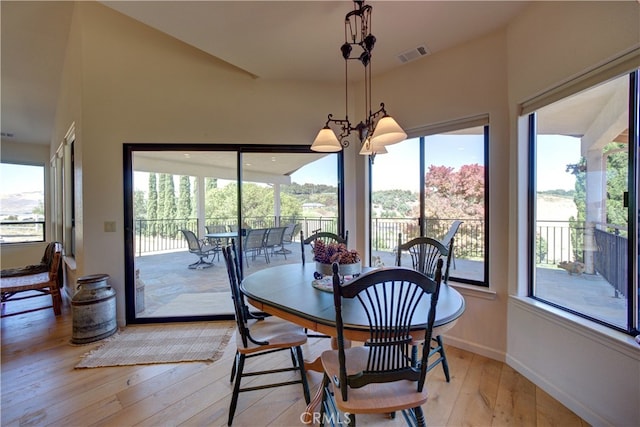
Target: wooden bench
x=12 y=288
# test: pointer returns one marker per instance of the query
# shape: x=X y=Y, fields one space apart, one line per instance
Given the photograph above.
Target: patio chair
x=290 y=232
x=261 y=338
x=325 y=236
x=446 y=241
x=216 y=228
x=44 y=279
x=201 y=249
x=378 y=377
x=254 y=244
x=273 y=240
x=426 y=253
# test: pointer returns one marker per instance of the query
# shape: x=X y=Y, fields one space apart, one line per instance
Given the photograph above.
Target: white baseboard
x=582 y=411
x=475 y=348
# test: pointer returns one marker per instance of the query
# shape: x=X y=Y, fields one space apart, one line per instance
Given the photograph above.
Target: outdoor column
x=603 y=129
x=276 y=203
x=200 y=205
x=594 y=205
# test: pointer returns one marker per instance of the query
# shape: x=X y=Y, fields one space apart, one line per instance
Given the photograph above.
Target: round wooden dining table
x=286 y=291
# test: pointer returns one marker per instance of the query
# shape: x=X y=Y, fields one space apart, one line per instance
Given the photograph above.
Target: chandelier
x=378 y=129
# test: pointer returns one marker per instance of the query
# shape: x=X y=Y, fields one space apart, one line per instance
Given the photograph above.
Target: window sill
x=473 y=291
x=594 y=331
x=70 y=262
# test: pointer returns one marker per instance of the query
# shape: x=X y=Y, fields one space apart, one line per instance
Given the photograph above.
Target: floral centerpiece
x=325 y=254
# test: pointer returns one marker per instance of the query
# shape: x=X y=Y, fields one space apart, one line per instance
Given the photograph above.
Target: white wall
x=588 y=368
x=136 y=85
x=464 y=82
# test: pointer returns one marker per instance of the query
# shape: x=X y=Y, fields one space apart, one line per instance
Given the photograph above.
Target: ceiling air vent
x=413 y=54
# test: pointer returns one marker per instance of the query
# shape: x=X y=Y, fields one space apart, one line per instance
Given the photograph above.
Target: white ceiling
x=269 y=39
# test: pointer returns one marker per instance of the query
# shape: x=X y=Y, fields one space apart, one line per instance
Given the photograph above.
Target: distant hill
x=552 y=207
x=20 y=204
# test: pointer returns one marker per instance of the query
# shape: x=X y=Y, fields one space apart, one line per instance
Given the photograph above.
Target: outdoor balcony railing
x=556 y=240
x=163 y=235
x=22 y=231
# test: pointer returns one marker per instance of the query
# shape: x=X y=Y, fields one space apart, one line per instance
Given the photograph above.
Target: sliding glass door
x=182 y=206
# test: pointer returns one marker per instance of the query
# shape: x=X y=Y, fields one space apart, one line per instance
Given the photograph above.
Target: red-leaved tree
x=455 y=195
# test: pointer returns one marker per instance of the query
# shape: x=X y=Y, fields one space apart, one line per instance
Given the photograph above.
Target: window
x=22 y=209
x=583 y=151
x=424 y=184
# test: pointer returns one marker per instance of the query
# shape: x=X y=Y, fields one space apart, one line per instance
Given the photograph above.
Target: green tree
x=184 y=205
x=394 y=203
x=170 y=204
x=211 y=183
x=152 y=204
x=258 y=203
x=617 y=183
x=139 y=205
x=162 y=183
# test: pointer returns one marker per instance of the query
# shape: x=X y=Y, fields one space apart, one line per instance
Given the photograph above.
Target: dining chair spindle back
x=425 y=254
x=379 y=376
x=256 y=338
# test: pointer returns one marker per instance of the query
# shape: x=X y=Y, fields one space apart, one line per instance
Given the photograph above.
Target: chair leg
x=414 y=417
x=234 y=367
x=443 y=356
x=414 y=356
x=56 y=299
x=325 y=404
x=303 y=374
x=236 y=388
x=201 y=263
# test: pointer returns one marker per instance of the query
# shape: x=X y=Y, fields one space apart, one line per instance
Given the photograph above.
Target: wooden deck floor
x=40 y=387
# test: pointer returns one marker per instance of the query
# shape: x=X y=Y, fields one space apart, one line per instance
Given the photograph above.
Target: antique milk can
x=93 y=309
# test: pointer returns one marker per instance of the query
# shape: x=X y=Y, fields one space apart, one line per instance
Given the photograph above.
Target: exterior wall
x=590 y=369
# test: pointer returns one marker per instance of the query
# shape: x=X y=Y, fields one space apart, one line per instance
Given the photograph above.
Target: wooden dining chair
x=379 y=377
x=325 y=236
x=425 y=254
x=259 y=338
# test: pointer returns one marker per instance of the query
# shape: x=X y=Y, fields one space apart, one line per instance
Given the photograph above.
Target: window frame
x=45 y=193
x=633 y=275
x=421 y=133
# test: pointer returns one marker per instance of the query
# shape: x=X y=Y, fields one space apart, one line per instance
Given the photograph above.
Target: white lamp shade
x=326 y=141
x=387 y=132
x=368 y=148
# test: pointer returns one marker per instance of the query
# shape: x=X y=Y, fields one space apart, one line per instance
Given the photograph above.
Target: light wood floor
x=40 y=387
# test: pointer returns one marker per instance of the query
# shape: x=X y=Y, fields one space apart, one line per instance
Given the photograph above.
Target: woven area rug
x=162 y=343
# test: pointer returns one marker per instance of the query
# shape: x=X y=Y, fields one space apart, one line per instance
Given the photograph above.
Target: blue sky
x=397 y=169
